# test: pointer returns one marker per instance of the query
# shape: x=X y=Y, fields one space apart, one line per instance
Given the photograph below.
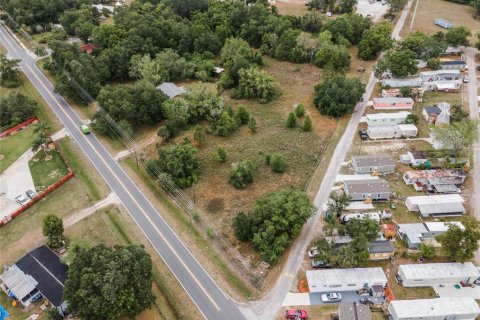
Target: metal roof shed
x=171 y=89
x=432 y=309
x=429 y=274
x=448 y=204
x=353 y=279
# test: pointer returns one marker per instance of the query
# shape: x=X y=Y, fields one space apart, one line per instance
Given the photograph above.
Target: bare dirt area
x=292 y=7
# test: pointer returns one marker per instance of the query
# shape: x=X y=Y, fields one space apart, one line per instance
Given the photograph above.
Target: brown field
x=292 y=7
x=429 y=10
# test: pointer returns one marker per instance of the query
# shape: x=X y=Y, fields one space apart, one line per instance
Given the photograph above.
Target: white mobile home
x=430 y=274
x=434 y=309
x=392 y=131
x=353 y=279
x=381 y=163
x=403 y=82
x=440 y=75
x=436 y=205
x=386 y=119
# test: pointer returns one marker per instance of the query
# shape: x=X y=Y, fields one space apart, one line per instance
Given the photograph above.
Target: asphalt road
x=203 y=291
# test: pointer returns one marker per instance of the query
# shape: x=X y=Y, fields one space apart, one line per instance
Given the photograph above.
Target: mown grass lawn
x=14 y=146
x=45 y=173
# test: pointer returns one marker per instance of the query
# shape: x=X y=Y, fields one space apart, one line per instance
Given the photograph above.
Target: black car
x=363 y=134
x=320 y=264
x=31 y=194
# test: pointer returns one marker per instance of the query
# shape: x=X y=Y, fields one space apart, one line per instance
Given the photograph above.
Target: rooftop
x=436 y=199
x=393 y=115
x=439 y=72
x=430 y=308
x=18 y=282
x=352 y=275
x=381 y=247
x=354 y=311
x=373 y=160
x=453 y=62
x=407 y=126
x=433 y=110
x=367 y=186
x=442 y=226
x=171 y=89
x=417 y=155
x=438 y=270
x=392 y=99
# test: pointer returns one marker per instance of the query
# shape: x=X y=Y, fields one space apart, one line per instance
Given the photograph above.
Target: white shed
x=429 y=274
x=434 y=309
x=345 y=279
x=436 y=205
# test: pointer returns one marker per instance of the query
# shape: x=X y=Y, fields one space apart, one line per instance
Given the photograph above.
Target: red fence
x=42 y=194
x=21 y=125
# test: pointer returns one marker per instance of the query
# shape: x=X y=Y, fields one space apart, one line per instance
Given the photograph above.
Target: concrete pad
x=449 y=291
x=359 y=205
x=376 y=10
x=296 y=299
x=344 y=177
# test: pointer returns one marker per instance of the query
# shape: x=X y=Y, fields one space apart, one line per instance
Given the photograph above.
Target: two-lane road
x=204 y=292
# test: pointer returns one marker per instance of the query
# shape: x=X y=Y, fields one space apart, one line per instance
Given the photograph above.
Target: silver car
x=331 y=297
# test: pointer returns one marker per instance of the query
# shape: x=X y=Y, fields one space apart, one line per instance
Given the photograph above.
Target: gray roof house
x=354 y=311
x=381 y=250
x=453 y=65
x=360 y=190
x=415 y=233
x=171 y=89
x=381 y=163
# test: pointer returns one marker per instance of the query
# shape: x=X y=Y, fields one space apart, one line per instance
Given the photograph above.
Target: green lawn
x=14 y=146
x=45 y=173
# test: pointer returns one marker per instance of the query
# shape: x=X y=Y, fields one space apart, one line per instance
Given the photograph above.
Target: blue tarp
x=3 y=313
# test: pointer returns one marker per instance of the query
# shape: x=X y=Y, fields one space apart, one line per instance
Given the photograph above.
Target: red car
x=296 y=314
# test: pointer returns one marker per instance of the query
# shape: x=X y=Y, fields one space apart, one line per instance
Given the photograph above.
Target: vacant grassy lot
x=429 y=10
x=46 y=172
x=14 y=146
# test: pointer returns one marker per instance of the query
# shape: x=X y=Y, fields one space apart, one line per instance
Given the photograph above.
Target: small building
x=386 y=119
x=440 y=75
x=437 y=114
x=414 y=234
x=431 y=113
x=171 y=89
x=443 y=86
x=354 y=311
x=381 y=250
x=443 y=23
x=39 y=271
x=427 y=179
x=403 y=82
x=392 y=132
x=377 y=190
x=451 y=51
x=391 y=93
x=453 y=65
x=436 y=205
x=434 y=309
x=414 y=158
x=100 y=7
x=381 y=163
x=392 y=103
x=218 y=70
x=430 y=274
x=353 y=279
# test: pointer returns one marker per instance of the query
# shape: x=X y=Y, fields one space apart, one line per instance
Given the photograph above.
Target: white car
x=313 y=252
x=465 y=80
x=21 y=199
x=331 y=297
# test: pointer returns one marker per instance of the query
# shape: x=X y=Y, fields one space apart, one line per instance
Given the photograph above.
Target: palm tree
x=41 y=138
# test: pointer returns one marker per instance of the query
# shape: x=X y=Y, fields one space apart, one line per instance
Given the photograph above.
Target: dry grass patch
x=320 y=312
x=292 y=7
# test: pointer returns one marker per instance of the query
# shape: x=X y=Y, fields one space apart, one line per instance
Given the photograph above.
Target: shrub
x=241 y=174
x=181 y=162
x=242 y=228
x=221 y=154
x=299 y=110
x=291 y=120
x=277 y=163
x=225 y=125
x=199 y=134
x=252 y=125
x=242 y=115
x=433 y=63
x=307 y=124
x=257 y=84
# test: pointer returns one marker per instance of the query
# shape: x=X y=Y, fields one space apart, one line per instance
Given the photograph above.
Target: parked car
x=37 y=297
x=465 y=79
x=331 y=297
x=295 y=314
x=85 y=129
x=363 y=134
x=31 y=194
x=313 y=252
x=320 y=264
x=21 y=199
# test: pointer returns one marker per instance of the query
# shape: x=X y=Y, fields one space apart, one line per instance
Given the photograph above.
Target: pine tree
x=252 y=125
x=307 y=124
x=292 y=120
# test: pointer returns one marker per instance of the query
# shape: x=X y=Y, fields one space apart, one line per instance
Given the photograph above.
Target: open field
x=292 y=7
x=429 y=10
x=47 y=172
x=14 y=146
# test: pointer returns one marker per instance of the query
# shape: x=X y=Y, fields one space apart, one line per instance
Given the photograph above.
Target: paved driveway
x=308 y=299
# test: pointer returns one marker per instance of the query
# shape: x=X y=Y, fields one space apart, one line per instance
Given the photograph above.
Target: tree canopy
x=109 y=283
x=181 y=163
x=16 y=108
x=52 y=228
x=400 y=63
x=9 y=72
x=460 y=245
x=375 y=40
x=457 y=137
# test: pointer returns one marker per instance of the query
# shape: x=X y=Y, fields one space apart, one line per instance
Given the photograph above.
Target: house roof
x=416 y=231
x=171 y=89
x=441 y=208
x=453 y=63
x=337 y=276
x=47 y=269
x=403 y=82
x=18 y=282
x=392 y=100
x=354 y=311
x=442 y=226
x=367 y=186
x=444 y=85
x=407 y=127
x=433 y=110
x=417 y=155
x=438 y=270
x=392 y=115
x=436 y=199
x=373 y=160
x=431 y=174
x=446 y=188
x=439 y=72
x=434 y=308
x=381 y=247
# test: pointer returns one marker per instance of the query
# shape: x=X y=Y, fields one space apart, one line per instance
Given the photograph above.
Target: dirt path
x=125 y=153
x=82 y=214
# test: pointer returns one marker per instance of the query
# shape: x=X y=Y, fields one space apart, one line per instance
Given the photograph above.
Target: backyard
x=47 y=168
x=12 y=147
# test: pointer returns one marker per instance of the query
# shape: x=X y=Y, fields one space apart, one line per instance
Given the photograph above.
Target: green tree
x=399 y=63
x=252 y=125
x=299 y=110
x=241 y=174
x=199 y=134
x=433 y=63
x=52 y=228
x=346 y=6
x=458 y=36
x=277 y=163
x=176 y=112
x=457 y=137
x=344 y=257
x=333 y=57
x=257 y=84
x=406 y=92
x=324 y=249
x=225 y=125
x=427 y=251
x=477 y=44
x=460 y=244
x=221 y=155
x=242 y=227
x=242 y=115
x=457 y=113
x=375 y=40
x=41 y=137
x=109 y=283
x=307 y=124
x=181 y=162
x=366 y=227
x=396 y=5
x=292 y=120
x=9 y=72
x=412 y=119
x=338 y=203
x=16 y=108
x=337 y=96
x=204 y=104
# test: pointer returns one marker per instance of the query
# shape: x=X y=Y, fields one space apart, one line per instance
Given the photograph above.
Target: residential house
x=38 y=272
x=430 y=274
x=434 y=309
x=413 y=82
x=430 y=180
x=392 y=103
x=171 y=89
x=353 y=279
x=381 y=250
x=381 y=163
x=440 y=75
x=453 y=65
x=414 y=234
x=386 y=119
x=443 y=86
x=414 y=158
x=392 y=131
x=354 y=311
x=430 y=114
x=359 y=190
x=437 y=114
x=436 y=205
